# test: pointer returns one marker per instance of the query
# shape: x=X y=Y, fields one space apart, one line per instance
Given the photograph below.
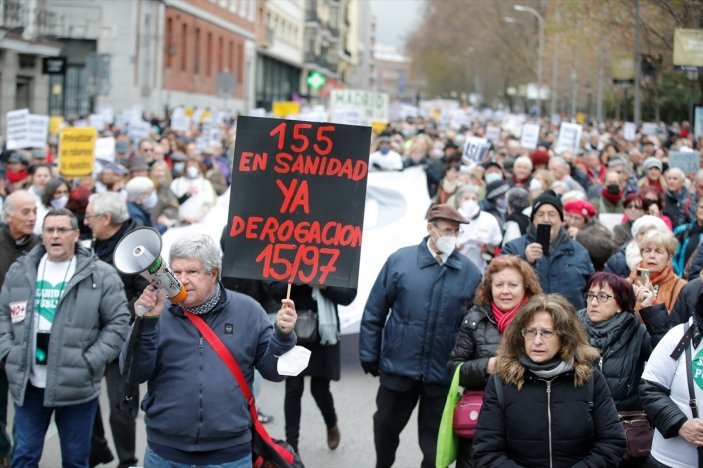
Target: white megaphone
x=139 y=252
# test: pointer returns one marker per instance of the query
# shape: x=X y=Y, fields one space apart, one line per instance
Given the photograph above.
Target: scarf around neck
x=614 y=199
x=549 y=369
x=504 y=317
x=208 y=305
x=603 y=334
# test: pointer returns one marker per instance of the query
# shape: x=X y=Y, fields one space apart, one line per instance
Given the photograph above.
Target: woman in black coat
x=325 y=361
x=508 y=283
x=616 y=331
x=552 y=407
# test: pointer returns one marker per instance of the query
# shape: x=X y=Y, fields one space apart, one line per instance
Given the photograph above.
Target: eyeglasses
x=601 y=296
x=531 y=333
x=93 y=216
x=634 y=207
x=448 y=231
x=58 y=230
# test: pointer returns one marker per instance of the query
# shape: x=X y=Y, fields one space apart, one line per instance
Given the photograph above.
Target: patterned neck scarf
x=208 y=305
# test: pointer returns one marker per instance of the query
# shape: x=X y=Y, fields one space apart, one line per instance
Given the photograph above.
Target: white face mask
x=178 y=168
x=193 y=172
x=470 y=208
x=59 y=202
x=150 y=201
x=492 y=177
x=446 y=244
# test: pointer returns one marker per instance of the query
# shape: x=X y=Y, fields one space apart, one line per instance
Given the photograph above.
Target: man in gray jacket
x=63 y=316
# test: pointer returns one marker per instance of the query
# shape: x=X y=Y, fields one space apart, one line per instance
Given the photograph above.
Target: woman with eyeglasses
x=508 y=283
x=546 y=405
x=616 y=331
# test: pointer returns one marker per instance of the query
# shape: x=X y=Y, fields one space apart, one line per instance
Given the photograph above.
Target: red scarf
x=16 y=176
x=614 y=199
x=503 y=318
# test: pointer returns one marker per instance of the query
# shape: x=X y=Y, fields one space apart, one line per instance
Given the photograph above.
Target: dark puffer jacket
x=625 y=351
x=549 y=419
x=476 y=343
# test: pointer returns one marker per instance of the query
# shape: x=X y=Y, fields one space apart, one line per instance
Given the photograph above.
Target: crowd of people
x=549 y=277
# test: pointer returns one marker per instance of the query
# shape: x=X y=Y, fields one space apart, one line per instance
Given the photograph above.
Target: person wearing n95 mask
x=409 y=327
x=195 y=193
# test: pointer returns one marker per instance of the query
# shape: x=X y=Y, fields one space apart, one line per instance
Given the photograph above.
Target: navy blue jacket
x=617 y=263
x=193 y=402
x=564 y=271
x=426 y=302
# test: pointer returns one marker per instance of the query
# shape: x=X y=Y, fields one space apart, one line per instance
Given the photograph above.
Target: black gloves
x=370 y=368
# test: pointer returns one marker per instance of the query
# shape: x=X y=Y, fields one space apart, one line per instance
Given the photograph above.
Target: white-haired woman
x=189 y=385
x=628 y=256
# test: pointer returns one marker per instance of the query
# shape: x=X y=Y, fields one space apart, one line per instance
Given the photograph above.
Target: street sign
x=53 y=65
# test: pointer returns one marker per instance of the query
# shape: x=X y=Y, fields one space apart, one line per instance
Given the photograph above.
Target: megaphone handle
x=140 y=310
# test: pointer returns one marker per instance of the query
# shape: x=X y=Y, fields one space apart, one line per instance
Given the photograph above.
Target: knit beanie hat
x=548 y=197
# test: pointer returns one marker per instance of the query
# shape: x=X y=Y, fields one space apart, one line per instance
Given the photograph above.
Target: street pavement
x=354 y=397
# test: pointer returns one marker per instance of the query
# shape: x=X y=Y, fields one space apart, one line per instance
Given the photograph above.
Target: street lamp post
x=540 y=49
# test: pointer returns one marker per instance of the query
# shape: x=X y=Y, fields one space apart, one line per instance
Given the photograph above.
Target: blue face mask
x=384 y=150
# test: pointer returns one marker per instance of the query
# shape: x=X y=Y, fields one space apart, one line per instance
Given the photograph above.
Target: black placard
x=53 y=65
x=296 y=207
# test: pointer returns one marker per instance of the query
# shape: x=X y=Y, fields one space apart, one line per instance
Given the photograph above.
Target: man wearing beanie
x=567 y=266
x=408 y=329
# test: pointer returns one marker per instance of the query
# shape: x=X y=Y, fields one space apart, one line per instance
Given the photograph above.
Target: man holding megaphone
x=189 y=385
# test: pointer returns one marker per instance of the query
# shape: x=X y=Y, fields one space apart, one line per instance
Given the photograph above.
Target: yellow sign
x=623 y=66
x=206 y=115
x=688 y=48
x=188 y=111
x=580 y=117
x=77 y=151
x=55 y=124
x=378 y=127
x=284 y=108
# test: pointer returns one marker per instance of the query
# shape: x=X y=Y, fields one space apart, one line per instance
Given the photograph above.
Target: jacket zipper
x=200 y=396
x=549 y=419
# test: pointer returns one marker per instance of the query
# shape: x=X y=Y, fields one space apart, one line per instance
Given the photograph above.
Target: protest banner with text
x=77 y=151
x=296 y=208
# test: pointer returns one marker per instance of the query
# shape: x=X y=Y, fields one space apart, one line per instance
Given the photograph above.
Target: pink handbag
x=466 y=413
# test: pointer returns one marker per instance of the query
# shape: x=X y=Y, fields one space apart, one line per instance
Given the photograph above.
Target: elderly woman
x=689 y=236
x=626 y=259
x=509 y=282
x=189 y=386
x=616 y=331
x=665 y=392
x=194 y=192
x=577 y=214
x=478 y=239
x=657 y=249
x=634 y=210
x=546 y=405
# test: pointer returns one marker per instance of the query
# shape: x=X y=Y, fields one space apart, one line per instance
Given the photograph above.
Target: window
x=220 y=52
x=240 y=64
x=196 y=68
x=184 y=39
x=230 y=56
x=208 y=55
x=169 y=47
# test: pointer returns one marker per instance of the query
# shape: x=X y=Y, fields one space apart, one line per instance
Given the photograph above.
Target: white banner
x=97 y=121
x=475 y=150
x=530 y=136
x=138 y=130
x=375 y=106
x=569 y=137
x=492 y=133
x=105 y=149
x=629 y=131
x=37 y=130
x=17 y=127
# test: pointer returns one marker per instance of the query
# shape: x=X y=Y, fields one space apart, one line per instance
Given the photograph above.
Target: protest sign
x=37 y=130
x=284 y=108
x=17 y=128
x=530 y=136
x=55 y=124
x=698 y=122
x=105 y=149
x=374 y=106
x=569 y=137
x=475 y=150
x=687 y=161
x=610 y=220
x=77 y=151
x=629 y=131
x=649 y=128
x=97 y=121
x=348 y=115
x=298 y=210
x=492 y=133
x=138 y=130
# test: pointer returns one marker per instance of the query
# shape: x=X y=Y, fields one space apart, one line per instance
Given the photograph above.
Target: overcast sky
x=394 y=19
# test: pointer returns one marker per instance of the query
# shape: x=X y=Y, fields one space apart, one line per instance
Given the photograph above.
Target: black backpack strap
x=591 y=405
x=691 y=389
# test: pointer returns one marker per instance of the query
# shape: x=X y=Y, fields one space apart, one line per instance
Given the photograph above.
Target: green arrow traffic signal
x=315 y=80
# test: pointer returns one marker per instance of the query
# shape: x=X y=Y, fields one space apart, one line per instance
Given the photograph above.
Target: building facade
x=157 y=54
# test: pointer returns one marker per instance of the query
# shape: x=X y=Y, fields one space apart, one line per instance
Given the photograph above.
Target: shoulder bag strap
x=692 y=391
x=228 y=359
